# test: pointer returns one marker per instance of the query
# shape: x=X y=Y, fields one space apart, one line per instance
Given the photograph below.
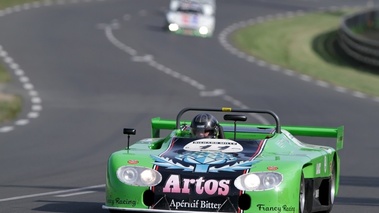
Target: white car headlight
x=258 y=181
x=173 y=27
x=148 y=176
x=203 y=30
x=271 y=180
x=127 y=174
x=251 y=181
x=138 y=176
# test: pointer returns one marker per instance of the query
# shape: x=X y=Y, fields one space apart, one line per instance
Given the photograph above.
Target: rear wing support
x=158 y=124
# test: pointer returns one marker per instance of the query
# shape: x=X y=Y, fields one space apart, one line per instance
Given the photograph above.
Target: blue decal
x=204 y=162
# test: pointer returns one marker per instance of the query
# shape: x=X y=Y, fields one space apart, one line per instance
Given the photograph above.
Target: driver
x=205 y=125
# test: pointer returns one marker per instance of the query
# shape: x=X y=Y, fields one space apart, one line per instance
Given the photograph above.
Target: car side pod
x=129 y=131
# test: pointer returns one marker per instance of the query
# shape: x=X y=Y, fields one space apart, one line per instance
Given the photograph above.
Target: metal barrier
x=361 y=48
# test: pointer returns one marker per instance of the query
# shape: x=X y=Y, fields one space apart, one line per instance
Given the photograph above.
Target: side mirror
x=235 y=118
x=128 y=131
x=229 y=117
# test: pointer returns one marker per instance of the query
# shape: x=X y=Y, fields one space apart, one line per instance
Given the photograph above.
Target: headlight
x=127 y=175
x=148 y=176
x=138 y=176
x=271 y=180
x=251 y=181
x=203 y=30
x=258 y=181
x=173 y=27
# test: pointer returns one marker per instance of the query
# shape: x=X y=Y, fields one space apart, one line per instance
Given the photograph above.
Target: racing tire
x=165 y=26
x=305 y=196
x=332 y=188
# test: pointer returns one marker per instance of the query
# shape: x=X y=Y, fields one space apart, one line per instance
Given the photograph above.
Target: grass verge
x=10 y=104
x=307 y=44
x=10 y=3
x=10 y=107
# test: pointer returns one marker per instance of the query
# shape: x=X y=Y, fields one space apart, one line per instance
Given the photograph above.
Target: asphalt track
x=89 y=68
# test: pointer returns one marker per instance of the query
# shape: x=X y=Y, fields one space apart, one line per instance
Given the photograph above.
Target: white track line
x=149 y=59
x=36 y=101
x=52 y=193
x=75 y=194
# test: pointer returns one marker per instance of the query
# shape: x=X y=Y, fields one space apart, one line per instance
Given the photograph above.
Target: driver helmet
x=205 y=125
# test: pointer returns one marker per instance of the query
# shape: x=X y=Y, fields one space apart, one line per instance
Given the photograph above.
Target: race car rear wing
x=330 y=132
x=159 y=124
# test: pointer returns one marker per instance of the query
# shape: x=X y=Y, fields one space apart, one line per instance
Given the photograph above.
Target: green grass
x=10 y=107
x=10 y=104
x=9 y=3
x=4 y=75
x=307 y=44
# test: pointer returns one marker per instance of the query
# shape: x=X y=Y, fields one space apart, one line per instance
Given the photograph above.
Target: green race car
x=247 y=168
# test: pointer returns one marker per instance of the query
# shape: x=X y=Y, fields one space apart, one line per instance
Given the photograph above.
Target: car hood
x=189 y=20
x=204 y=169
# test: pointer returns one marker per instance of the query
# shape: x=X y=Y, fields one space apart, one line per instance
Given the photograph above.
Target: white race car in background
x=191 y=17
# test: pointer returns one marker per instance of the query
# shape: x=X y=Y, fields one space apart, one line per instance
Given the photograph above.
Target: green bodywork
x=192 y=32
x=282 y=152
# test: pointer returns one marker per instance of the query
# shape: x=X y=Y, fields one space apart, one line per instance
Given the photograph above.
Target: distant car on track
x=191 y=17
x=247 y=168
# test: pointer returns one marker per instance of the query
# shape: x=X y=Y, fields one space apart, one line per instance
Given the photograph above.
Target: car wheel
x=305 y=196
x=165 y=26
x=333 y=184
x=302 y=195
x=332 y=188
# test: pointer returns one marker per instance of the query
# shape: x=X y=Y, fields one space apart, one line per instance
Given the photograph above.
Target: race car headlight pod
x=173 y=27
x=203 y=30
x=258 y=181
x=138 y=176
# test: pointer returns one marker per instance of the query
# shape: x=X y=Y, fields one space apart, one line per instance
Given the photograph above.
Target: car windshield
x=195 y=9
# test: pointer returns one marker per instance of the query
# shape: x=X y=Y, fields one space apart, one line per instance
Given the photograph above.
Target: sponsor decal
x=318 y=168
x=133 y=161
x=119 y=201
x=210 y=145
x=284 y=208
x=194 y=204
x=204 y=162
x=194 y=19
x=175 y=184
x=272 y=168
x=185 y=18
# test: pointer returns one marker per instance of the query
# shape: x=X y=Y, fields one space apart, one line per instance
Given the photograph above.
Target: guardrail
x=361 y=48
